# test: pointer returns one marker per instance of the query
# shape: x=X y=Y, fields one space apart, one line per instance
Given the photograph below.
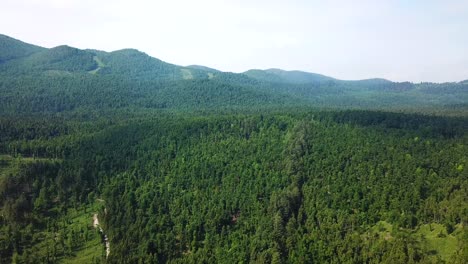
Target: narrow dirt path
x=106 y=240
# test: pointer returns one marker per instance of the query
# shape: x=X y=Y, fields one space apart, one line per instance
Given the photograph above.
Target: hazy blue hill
x=203 y=68
x=263 y=76
x=282 y=76
x=373 y=81
x=301 y=78
x=64 y=78
x=377 y=80
x=61 y=59
x=135 y=63
x=378 y=85
x=11 y=48
x=69 y=79
x=138 y=65
x=443 y=88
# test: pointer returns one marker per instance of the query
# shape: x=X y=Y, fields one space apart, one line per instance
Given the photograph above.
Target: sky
x=397 y=40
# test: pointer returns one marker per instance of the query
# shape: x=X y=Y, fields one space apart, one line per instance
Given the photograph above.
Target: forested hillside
x=118 y=157
x=11 y=48
x=66 y=79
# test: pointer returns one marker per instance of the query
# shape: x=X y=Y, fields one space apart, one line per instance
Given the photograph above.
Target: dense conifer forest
x=118 y=157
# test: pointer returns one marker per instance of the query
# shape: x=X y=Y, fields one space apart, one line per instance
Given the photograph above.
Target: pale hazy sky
x=398 y=40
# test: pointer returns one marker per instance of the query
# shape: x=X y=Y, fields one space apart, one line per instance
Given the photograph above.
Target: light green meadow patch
x=435 y=239
x=186 y=74
x=99 y=63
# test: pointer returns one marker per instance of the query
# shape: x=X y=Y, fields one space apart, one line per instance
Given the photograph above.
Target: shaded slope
x=61 y=59
x=11 y=48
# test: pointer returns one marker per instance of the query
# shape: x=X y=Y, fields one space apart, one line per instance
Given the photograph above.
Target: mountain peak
x=283 y=76
x=203 y=68
x=129 y=52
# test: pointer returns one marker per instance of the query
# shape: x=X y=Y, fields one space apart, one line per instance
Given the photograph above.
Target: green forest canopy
x=194 y=165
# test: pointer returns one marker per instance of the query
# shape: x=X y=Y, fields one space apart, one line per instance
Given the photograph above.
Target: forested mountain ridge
x=11 y=48
x=291 y=77
x=61 y=58
x=130 y=78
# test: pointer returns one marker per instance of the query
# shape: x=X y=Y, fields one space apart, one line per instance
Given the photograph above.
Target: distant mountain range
x=67 y=79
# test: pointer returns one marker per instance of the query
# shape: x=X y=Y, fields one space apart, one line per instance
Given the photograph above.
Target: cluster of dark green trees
x=303 y=187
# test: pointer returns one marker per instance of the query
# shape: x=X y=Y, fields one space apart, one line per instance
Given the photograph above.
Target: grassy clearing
x=90 y=253
x=186 y=74
x=84 y=247
x=72 y=237
x=434 y=238
x=99 y=63
x=92 y=250
x=383 y=229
